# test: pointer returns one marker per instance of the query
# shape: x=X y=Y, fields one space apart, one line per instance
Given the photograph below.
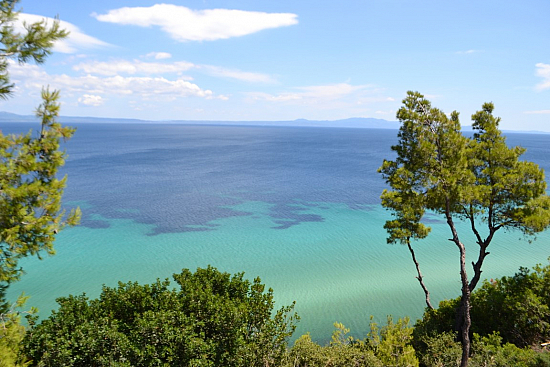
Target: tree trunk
x=463 y=320
x=464 y=312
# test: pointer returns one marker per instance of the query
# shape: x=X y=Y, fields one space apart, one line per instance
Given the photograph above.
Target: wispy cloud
x=389 y=113
x=159 y=55
x=136 y=67
x=543 y=71
x=116 y=67
x=91 y=100
x=184 y=24
x=468 y=52
x=236 y=74
x=312 y=93
x=77 y=40
x=32 y=77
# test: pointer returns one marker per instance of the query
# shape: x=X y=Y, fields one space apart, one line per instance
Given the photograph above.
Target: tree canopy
x=30 y=191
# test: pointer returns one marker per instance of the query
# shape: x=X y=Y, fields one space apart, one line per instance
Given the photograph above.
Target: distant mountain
x=351 y=122
x=355 y=122
x=12 y=117
x=370 y=123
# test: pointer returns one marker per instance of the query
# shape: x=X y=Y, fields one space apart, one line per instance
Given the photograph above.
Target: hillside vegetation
x=215 y=319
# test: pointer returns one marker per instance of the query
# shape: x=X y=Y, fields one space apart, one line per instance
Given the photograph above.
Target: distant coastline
x=354 y=122
x=358 y=122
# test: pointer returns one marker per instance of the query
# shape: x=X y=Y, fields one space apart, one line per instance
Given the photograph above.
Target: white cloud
x=376 y=99
x=76 y=40
x=543 y=71
x=91 y=100
x=236 y=74
x=159 y=55
x=467 y=52
x=184 y=24
x=134 y=67
x=313 y=94
x=116 y=67
x=539 y=112
x=385 y=113
x=33 y=77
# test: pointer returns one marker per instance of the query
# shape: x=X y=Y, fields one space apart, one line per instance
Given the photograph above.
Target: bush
x=517 y=307
x=388 y=346
x=212 y=320
x=12 y=332
x=343 y=351
x=488 y=351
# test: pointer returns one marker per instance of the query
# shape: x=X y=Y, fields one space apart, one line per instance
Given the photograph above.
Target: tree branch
x=420 y=277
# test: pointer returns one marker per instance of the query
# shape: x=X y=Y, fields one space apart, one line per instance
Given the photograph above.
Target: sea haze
x=297 y=206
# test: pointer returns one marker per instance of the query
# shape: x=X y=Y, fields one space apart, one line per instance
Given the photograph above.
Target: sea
x=298 y=207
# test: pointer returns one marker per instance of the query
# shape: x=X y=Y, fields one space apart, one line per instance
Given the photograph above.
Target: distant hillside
x=351 y=122
x=370 y=123
x=355 y=122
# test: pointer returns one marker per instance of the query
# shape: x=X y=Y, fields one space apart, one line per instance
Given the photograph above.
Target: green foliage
x=479 y=180
x=306 y=353
x=517 y=307
x=488 y=351
x=508 y=192
x=34 y=44
x=342 y=351
x=391 y=343
x=431 y=166
x=12 y=333
x=30 y=198
x=212 y=320
x=435 y=322
x=387 y=346
x=440 y=350
x=30 y=193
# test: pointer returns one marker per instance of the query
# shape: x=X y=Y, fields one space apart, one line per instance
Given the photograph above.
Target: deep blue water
x=180 y=178
x=298 y=207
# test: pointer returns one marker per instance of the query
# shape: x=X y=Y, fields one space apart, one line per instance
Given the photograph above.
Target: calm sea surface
x=298 y=207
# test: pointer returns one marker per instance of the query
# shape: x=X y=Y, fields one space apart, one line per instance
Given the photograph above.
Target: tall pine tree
x=30 y=192
x=479 y=180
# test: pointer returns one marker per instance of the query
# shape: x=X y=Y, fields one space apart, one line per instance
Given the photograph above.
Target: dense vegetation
x=215 y=319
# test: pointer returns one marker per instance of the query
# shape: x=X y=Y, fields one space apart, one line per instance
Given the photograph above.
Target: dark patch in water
x=180 y=178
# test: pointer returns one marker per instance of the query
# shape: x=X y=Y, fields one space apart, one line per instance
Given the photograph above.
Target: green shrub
x=441 y=350
x=12 y=332
x=488 y=351
x=517 y=307
x=212 y=320
x=342 y=351
x=388 y=346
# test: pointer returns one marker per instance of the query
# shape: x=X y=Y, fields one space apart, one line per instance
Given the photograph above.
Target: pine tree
x=479 y=180
x=30 y=193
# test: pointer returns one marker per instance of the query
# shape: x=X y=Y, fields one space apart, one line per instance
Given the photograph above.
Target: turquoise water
x=338 y=270
x=308 y=225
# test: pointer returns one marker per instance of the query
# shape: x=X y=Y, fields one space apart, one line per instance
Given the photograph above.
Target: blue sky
x=285 y=60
